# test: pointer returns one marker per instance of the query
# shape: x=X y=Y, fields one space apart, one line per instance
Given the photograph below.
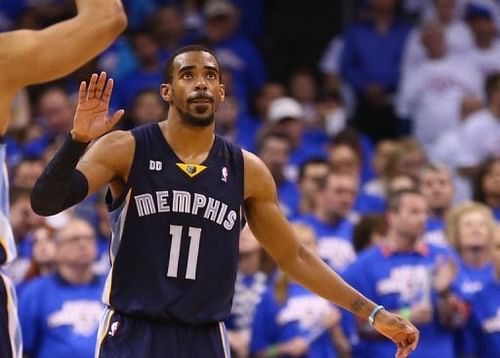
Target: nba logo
x=224 y=175
x=114 y=327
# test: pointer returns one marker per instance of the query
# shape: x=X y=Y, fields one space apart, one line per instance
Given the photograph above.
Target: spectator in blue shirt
x=148 y=75
x=274 y=150
x=290 y=321
x=485 y=319
x=234 y=52
x=331 y=222
x=409 y=276
x=370 y=62
x=435 y=183
x=469 y=229
x=60 y=313
x=251 y=283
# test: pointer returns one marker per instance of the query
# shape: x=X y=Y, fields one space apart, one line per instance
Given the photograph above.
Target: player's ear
x=166 y=92
x=222 y=92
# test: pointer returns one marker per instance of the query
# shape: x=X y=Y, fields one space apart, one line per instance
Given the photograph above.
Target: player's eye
x=187 y=75
x=211 y=75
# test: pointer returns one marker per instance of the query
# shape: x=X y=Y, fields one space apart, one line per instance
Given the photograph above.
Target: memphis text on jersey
x=179 y=201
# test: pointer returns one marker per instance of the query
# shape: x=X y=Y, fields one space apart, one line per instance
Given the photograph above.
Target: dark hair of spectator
x=478 y=190
x=273 y=135
x=310 y=161
x=168 y=72
x=348 y=137
x=492 y=84
x=394 y=198
x=365 y=228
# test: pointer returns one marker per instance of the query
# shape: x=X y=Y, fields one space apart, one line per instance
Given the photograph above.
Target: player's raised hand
x=404 y=334
x=91 y=118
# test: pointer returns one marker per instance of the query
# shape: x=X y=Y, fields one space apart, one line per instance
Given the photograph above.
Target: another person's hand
x=445 y=274
x=401 y=331
x=91 y=118
x=295 y=347
x=421 y=313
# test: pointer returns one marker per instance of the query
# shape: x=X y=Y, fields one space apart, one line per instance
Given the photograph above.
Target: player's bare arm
x=273 y=231
x=108 y=160
x=35 y=56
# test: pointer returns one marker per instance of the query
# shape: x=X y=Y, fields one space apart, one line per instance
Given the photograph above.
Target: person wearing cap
x=286 y=115
x=235 y=53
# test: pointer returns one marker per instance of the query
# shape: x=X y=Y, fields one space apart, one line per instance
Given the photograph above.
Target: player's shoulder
x=258 y=181
x=117 y=143
x=253 y=165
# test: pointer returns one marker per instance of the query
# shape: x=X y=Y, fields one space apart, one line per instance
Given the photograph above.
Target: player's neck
x=190 y=143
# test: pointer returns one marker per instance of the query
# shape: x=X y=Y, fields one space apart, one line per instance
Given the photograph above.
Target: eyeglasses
x=75 y=239
x=473 y=249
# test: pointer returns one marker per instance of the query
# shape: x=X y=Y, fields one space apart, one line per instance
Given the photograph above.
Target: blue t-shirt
x=248 y=291
x=334 y=241
x=469 y=281
x=301 y=315
x=485 y=320
x=434 y=232
x=397 y=280
x=59 y=319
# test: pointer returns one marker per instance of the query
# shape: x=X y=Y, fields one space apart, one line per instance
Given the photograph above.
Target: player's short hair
x=394 y=198
x=168 y=72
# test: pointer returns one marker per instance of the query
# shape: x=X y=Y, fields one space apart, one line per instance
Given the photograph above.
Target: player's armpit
x=108 y=161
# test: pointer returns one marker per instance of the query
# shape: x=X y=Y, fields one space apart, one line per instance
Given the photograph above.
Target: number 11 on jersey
x=194 y=234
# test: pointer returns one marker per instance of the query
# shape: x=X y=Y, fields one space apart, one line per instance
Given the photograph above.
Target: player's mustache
x=200 y=95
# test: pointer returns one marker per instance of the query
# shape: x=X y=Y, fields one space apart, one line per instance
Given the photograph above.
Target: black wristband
x=61 y=185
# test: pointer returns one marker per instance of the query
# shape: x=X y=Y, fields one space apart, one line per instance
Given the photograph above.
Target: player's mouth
x=200 y=99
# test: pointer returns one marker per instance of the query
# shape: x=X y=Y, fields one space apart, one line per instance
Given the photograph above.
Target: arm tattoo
x=357 y=305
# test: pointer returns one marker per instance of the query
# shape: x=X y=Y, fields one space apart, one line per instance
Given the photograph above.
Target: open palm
x=91 y=118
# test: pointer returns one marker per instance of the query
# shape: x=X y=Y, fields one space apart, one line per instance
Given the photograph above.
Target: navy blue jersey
x=174 y=248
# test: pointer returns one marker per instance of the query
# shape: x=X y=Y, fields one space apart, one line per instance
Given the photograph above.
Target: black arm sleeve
x=61 y=185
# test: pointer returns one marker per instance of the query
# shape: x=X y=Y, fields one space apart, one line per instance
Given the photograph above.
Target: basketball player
x=30 y=57
x=175 y=195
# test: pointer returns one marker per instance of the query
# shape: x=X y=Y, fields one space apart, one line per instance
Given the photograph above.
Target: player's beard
x=191 y=120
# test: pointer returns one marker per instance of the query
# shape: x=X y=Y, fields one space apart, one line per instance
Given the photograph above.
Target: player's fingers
x=101 y=81
x=92 y=86
x=82 y=93
x=413 y=341
x=107 y=91
x=403 y=350
x=116 y=117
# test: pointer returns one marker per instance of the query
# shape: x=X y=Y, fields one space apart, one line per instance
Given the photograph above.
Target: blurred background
x=352 y=105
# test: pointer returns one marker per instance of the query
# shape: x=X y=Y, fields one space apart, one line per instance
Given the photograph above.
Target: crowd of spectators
x=379 y=121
